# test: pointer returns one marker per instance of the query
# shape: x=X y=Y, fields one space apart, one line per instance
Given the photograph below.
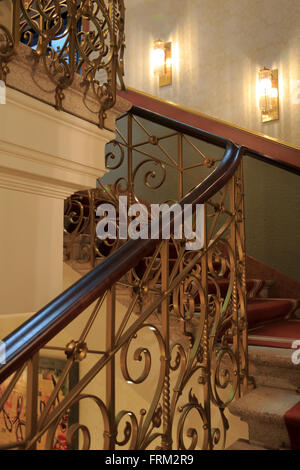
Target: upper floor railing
x=160 y=328
x=71 y=42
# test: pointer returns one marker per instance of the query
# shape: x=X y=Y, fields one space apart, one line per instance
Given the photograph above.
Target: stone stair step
x=263 y=409
x=243 y=444
x=273 y=367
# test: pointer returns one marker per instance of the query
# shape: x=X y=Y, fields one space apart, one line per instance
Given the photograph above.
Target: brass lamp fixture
x=162 y=62
x=268 y=94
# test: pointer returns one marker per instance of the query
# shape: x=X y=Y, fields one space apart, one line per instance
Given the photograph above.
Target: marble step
x=243 y=444
x=263 y=409
x=273 y=367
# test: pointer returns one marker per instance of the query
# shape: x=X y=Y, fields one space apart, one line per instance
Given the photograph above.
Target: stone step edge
x=248 y=407
x=273 y=357
x=244 y=444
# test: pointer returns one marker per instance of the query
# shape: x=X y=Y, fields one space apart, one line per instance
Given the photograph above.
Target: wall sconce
x=268 y=94
x=162 y=62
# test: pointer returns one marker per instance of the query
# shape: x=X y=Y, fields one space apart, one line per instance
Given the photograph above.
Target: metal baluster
x=180 y=167
x=243 y=304
x=110 y=368
x=130 y=183
x=32 y=398
x=206 y=346
x=165 y=308
x=235 y=306
x=92 y=226
x=16 y=23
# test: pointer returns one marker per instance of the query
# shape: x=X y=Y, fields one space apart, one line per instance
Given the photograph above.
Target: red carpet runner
x=292 y=422
x=271 y=322
x=281 y=334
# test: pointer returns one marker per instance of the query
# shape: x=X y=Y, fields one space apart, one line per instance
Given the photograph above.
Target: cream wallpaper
x=219 y=47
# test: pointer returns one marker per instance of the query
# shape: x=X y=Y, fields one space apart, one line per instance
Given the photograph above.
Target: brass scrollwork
x=7 y=50
x=82 y=39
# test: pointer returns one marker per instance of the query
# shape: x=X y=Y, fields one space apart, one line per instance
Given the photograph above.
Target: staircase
x=275 y=378
x=264 y=408
x=272 y=409
x=272 y=327
x=161 y=332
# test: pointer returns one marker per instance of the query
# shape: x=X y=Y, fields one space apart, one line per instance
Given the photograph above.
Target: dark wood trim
x=273 y=161
x=179 y=126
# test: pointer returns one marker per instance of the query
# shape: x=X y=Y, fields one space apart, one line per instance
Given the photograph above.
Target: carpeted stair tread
x=272 y=357
x=265 y=404
x=265 y=410
x=292 y=422
x=281 y=334
x=264 y=311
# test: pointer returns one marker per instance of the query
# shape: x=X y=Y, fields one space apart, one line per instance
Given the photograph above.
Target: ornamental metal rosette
x=71 y=39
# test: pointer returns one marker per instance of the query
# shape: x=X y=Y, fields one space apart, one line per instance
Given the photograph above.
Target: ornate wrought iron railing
x=161 y=331
x=70 y=39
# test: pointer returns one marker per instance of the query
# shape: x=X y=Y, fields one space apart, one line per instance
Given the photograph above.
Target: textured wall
x=221 y=46
x=272 y=201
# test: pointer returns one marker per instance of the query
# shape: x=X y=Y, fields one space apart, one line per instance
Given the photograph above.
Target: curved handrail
x=32 y=335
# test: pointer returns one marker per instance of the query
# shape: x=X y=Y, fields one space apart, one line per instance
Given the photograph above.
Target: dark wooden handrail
x=256 y=146
x=179 y=126
x=32 y=335
x=209 y=137
x=273 y=161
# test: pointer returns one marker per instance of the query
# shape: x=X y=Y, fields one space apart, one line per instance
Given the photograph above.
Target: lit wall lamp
x=268 y=94
x=162 y=62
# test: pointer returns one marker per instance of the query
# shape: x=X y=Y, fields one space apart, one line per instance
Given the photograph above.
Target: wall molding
x=10 y=152
x=40 y=187
x=47 y=152
x=23 y=100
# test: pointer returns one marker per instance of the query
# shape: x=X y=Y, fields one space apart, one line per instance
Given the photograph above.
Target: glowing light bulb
x=158 y=58
x=267 y=93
